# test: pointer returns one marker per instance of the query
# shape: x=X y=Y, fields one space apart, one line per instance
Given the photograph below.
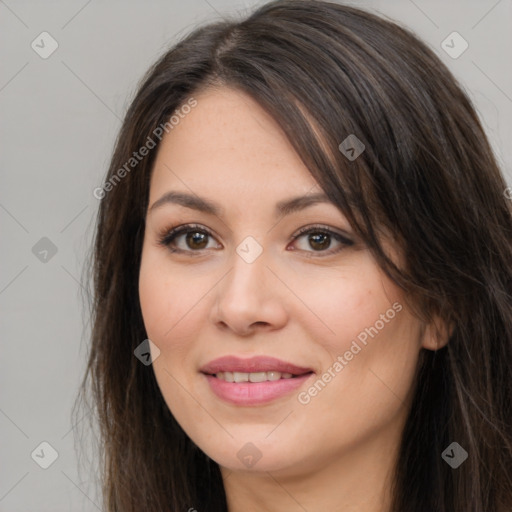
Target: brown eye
x=320 y=239
x=195 y=239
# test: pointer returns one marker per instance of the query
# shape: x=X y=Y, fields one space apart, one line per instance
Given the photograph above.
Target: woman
x=303 y=276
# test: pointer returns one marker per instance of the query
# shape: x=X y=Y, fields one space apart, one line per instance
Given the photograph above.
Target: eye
x=320 y=238
x=196 y=240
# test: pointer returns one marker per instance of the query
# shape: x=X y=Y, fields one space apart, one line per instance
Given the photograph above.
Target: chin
x=255 y=456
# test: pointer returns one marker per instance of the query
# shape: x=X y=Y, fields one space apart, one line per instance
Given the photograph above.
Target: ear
x=436 y=334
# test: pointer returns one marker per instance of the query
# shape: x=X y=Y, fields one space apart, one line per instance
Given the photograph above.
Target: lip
x=253 y=393
x=252 y=365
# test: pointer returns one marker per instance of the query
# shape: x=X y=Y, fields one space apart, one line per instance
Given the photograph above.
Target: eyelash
x=168 y=236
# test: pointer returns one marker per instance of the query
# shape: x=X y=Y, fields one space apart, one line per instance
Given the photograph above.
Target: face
x=246 y=283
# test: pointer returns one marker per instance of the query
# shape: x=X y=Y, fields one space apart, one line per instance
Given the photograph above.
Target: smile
x=252 y=377
x=254 y=381
x=248 y=393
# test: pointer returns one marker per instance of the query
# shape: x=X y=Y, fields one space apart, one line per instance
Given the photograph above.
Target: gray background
x=60 y=116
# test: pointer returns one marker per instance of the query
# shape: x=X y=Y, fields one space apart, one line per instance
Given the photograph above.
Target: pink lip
x=252 y=365
x=253 y=393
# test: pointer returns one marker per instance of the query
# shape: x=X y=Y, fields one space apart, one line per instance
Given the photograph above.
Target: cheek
x=155 y=297
x=155 y=300
x=346 y=305
x=171 y=305
x=365 y=322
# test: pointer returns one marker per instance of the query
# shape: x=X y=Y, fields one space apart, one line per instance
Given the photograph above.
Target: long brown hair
x=427 y=176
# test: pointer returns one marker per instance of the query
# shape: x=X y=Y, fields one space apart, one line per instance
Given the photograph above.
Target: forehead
x=228 y=143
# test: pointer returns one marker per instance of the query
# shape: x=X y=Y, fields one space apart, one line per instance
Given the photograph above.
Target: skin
x=293 y=302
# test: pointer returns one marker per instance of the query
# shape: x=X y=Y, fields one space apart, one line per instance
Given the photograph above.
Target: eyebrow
x=194 y=202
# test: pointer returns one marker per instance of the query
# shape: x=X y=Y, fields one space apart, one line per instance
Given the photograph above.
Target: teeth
x=228 y=377
x=241 y=377
x=252 y=377
x=258 y=377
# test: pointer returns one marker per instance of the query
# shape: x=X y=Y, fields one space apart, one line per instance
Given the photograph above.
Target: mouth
x=256 y=377
x=255 y=381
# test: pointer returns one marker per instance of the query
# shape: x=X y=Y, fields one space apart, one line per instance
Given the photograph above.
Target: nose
x=250 y=298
